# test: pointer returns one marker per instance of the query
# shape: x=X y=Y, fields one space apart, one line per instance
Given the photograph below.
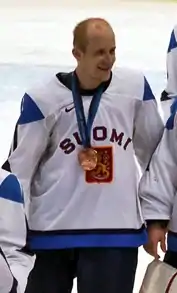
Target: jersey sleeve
x=29 y=142
x=158 y=184
x=148 y=127
x=13 y=229
x=171 y=88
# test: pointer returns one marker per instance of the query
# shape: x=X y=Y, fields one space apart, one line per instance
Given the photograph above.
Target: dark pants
x=98 y=270
x=171 y=258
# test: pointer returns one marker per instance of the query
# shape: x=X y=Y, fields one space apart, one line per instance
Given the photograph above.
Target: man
x=170 y=93
x=15 y=264
x=158 y=185
x=73 y=152
x=158 y=194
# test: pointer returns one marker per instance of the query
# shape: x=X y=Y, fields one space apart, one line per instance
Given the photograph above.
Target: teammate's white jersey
x=67 y=207
x=170 y=92
x=12 y=235
x=158 y=186
x=171 y=88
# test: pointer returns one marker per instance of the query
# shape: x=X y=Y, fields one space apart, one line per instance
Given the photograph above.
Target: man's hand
x=156 y=234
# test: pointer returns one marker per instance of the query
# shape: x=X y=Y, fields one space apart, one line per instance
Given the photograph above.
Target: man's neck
x=86 y=82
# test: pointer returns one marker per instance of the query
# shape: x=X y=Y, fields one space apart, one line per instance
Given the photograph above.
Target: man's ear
x=76 y=53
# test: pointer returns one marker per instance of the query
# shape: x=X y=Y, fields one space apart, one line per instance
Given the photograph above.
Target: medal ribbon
x=83 y=125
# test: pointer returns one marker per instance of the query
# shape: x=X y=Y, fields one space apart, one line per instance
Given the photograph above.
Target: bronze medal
x=88 y=159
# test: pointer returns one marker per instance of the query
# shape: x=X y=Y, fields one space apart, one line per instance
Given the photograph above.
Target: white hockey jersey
x=68 y=208
x=12 y=236
x=170 y=92
x=158 y=186
x=171 y=88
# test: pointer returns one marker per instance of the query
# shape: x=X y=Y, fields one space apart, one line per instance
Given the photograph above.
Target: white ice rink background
x=36 y=41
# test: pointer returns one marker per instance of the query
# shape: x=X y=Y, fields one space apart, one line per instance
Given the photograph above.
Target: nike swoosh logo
x=67 y=110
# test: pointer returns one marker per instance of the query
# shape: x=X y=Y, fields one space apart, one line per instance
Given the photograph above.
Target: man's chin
x=105 y=75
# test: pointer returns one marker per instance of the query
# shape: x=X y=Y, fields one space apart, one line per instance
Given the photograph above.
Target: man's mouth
x=104 y=68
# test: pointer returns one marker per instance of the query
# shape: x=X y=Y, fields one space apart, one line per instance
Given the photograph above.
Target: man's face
x=99 y=56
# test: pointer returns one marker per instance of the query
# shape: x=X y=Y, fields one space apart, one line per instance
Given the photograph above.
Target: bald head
x=94 y=51
x=88 y=30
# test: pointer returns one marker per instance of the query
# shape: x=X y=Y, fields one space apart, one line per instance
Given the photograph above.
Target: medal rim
x=93 y=154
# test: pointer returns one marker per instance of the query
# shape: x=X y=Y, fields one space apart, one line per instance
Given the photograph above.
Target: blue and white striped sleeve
x=148 y=126
x=13 y=230
x=158 y=185
x=29 y=142
x=171 y=88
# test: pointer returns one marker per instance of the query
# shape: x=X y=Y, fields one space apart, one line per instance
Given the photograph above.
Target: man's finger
x=163 y=245
x=152 y=250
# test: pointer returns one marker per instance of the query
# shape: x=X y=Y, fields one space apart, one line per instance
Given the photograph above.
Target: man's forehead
x=101 y=40
x=98 y=37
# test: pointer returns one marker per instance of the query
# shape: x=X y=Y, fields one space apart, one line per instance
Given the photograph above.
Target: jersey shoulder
x=131 y=84
x=47 y=97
